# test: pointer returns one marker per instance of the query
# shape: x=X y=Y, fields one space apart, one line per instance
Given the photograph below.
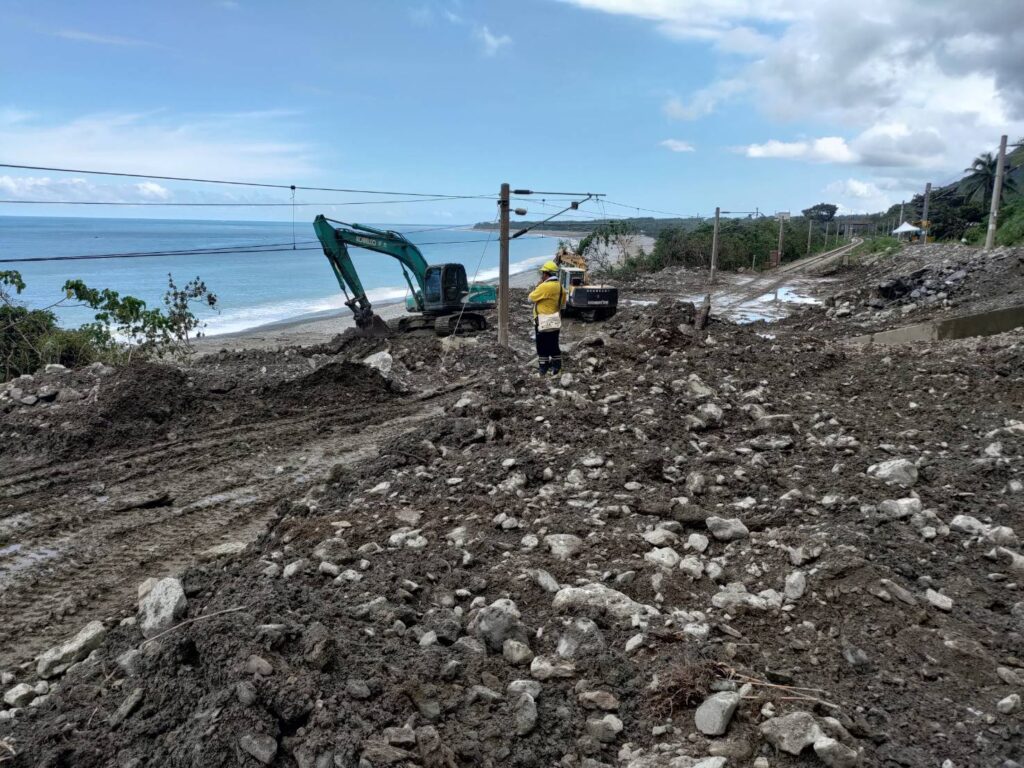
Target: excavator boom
x=436 y=291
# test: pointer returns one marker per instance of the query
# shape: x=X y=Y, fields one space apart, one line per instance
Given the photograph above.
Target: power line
x=233 y=205
x=152 y=254
x=652 y=210
x=220 y=251
x=242 y=183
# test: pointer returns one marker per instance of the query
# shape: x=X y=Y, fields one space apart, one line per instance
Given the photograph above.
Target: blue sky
x=675 y=105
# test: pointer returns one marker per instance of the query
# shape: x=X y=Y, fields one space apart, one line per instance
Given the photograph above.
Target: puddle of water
x=24 y=559
x=982 y=324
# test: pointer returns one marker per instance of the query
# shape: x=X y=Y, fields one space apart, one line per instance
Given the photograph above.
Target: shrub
x=123 y=327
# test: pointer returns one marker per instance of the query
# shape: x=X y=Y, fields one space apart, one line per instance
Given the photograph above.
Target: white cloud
x=90 y=37
x=704 y=101
x=905 y=84
x=231 y=146
x=675 y=145
x=830 y=149
x=492 y=43
x=862 y=190
x=153 y=190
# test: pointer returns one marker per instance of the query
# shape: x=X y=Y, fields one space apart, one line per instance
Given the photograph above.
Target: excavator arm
x=336 y=240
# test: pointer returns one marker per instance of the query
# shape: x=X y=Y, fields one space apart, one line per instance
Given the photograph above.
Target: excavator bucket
x=372 y=326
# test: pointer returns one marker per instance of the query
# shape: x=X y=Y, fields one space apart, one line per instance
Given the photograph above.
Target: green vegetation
x=821 y=212
x=123 y=328
x=742 y=244
x=877 y=245
x=977 y=186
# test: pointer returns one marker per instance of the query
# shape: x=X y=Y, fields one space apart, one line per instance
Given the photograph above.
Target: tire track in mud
x=165 y=504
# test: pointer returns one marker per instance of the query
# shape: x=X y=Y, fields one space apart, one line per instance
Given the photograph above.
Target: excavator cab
x=445 y=288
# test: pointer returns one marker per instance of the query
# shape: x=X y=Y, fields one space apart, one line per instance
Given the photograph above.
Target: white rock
x=293 y=568
x=697 y=542
x=162 y=607
x=727 y=529
x=563 y=545
x=19 y=696
x=714 y=714
x=516 y=652
x=380 y=361
x=939 y=600
x=896 y=471
x=58 y=659
x=897 y=509
x=793 y=732
x=605 y=729
x=545 y=668
x=796 y=585
x=597 y=600
x=835 y=754
x=1010 y=704
x=664 y=557
x=659 y=537
x=972 y=526
x=692 y=566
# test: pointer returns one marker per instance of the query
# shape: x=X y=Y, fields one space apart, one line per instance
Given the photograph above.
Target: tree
x=821 y=212
x=123 y=328
x=611 y=243
x=981 y=178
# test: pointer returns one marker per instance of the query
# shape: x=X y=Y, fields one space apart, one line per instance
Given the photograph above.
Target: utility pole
x=924 y=214
x=782 y=224
x=810 y=229
x=993 y=216
x=714 y=246
x=503 y=289
x=901 y=210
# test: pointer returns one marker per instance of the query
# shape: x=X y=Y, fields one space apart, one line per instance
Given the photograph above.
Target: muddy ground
x=457 y=563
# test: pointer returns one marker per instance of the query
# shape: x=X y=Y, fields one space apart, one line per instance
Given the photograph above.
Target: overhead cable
x=238 y=183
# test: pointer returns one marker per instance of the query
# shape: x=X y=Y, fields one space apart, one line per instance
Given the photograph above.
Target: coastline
x=306 y=330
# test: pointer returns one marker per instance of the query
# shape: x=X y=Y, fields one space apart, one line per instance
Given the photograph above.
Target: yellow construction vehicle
x=584 y=300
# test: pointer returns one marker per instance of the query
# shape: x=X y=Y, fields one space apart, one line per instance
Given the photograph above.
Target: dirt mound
x=675 y=552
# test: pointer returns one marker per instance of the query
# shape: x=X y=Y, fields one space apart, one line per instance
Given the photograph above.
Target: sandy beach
x=315 y=330
x=305 y=331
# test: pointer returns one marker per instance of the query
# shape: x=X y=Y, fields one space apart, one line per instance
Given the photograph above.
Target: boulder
x=713 y=715
x=58 y=659
x=162 y=607
x=596 y=600
x=895 y=471
x=793 y=732
x=498 y=622
x=727 y=529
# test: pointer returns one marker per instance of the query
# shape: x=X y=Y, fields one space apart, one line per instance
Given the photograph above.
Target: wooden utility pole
x=901 y=210
x=924 y=214
x=997 y=188
x=714 y=246
x=503 y=289
x=810 y=229
x=825 y=246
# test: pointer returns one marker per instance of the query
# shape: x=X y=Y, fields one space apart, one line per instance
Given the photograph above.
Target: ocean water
x=252 y=288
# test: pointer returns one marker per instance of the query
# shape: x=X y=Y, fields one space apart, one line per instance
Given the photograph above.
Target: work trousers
x=548 y=353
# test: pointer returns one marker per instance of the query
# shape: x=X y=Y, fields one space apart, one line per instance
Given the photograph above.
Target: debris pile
x=692 y=549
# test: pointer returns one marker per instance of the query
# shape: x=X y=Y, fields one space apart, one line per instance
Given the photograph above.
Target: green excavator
x=440 y=296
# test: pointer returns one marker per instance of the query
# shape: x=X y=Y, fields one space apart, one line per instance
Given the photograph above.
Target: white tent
x=904 y=228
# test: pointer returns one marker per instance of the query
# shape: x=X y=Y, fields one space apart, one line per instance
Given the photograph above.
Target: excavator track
x=463 y=323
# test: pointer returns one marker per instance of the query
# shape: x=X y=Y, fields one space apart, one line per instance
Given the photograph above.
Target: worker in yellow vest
x=548 y=298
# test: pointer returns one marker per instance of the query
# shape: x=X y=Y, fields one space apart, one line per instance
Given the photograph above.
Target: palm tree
x=981 y=177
